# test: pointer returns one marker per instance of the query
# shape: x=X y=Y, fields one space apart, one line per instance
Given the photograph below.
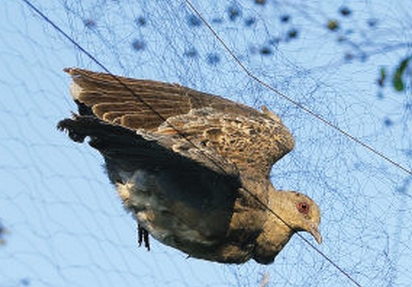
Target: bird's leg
x=146 y=239
x=139 y=234
x=143 y=236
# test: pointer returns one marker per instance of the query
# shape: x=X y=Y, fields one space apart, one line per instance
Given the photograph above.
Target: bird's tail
x=80 y=127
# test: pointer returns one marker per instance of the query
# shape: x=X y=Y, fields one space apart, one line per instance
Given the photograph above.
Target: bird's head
x=288 y=212
x=301 y=213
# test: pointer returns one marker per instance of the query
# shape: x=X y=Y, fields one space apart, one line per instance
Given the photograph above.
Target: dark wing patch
x=132 y=150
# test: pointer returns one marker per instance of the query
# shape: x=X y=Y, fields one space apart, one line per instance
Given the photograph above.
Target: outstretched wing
x=194 y=124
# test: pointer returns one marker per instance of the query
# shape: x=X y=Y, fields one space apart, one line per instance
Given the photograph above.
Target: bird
x=192 y=168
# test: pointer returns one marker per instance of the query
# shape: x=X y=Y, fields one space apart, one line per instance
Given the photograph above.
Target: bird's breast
x=177 y=211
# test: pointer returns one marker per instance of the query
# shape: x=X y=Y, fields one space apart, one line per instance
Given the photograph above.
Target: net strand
x=77 y=45
x=289 y=99
x=94 y=59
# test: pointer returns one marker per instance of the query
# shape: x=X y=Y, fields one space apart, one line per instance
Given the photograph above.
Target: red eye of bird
x=303 y=207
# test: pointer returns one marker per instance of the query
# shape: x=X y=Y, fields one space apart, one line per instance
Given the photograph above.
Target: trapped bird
x=192 y=168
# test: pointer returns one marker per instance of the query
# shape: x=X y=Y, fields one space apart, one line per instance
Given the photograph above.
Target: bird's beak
x=315 y=233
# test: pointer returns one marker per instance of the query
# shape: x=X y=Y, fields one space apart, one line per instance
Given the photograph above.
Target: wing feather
x=191 y=123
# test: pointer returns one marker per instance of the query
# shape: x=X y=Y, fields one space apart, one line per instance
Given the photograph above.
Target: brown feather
x=192 y=167
x=252 y=140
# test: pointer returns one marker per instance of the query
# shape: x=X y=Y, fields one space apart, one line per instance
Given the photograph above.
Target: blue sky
x=65 y=224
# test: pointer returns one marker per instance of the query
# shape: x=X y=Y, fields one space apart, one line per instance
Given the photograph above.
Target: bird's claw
x=143 y=236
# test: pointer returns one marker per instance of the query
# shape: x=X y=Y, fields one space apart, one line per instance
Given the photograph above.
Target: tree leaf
x=382 y=77
x=397 y=80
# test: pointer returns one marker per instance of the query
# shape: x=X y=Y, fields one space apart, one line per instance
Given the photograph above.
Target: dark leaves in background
x=25 y=282
x=194 y=21
x=260 y=2
x=217 y=20
x=333 y=25
x=382 y=77
x=345 y=11
x=250 y=21
x=138 y=45
x=388 y=122
x=266 y=51
x=233 y=12
x=372 y=22
x=292 y=34
x=2 y=234
x=190 y=53
x=349 y=57
x=89 y=23
x=284 y=18
x=141 y=21
x=274 y=41
x=213 y=59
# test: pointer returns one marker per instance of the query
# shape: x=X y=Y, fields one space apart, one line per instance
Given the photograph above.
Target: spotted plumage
x=193 y=168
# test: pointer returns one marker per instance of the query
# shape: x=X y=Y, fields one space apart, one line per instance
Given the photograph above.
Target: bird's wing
x=184 y=187
x=194 y=124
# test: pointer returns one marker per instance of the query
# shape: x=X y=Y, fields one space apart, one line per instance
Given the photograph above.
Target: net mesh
x=61 y=223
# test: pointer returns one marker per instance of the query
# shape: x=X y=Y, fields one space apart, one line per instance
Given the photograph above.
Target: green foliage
x=382 y=77
x=333 y=25
x=398 y=77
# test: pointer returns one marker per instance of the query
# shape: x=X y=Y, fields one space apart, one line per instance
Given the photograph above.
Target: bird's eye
x=303 y=207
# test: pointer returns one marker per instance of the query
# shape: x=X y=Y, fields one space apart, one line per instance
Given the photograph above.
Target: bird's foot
x=143 y=236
